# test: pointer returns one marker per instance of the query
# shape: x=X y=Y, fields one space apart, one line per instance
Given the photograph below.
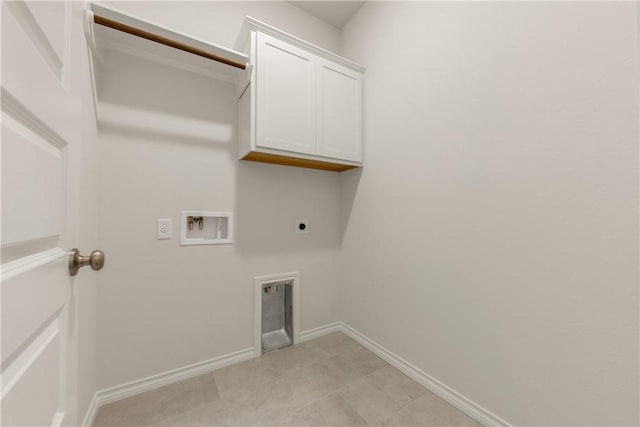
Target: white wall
x=168 y=143
x=492 y=238
x=220 y=21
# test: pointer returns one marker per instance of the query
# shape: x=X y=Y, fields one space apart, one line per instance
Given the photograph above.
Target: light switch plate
x=164 y=228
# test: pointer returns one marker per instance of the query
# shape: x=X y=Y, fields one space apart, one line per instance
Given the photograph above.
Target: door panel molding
x=18 y=367
x=31 y=262
x=38 y=37
x=14 y=108
x=31 y=298
x=33 y=384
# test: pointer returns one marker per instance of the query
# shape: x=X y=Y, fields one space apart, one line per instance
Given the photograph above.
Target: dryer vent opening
x=277 y=315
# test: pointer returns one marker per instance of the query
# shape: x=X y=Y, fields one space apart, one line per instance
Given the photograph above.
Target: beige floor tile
x=328 y=376
x=334 y=343
x=331 y=410
x=227 y=415
x=155 y=405
x=245 y=375
x=356 y=363
x=248 y=416
x=268 y=402
x=296 y=356
x=200 y=417
x=370 y=402
x=247 y=413
x=430 y=410
x=400 y=388
x=301 y=386
x=271 y=401
x=252 y=406
x=301 y=418
x=401 y=419
x=256 y=410
x=331 y=380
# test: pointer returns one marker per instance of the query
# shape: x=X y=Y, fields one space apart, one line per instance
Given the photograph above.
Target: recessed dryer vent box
x=206 y=228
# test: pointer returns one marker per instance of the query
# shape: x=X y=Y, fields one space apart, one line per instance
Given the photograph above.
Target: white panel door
x=40 y=130
x=285 y=96
x=339 y=112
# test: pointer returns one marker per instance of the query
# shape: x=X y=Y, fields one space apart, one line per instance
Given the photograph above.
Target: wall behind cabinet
x=168 y=143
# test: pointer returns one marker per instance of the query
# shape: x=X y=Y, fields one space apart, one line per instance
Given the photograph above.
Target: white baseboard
x=456 y=399
x=122 y=391
x=320 y=331
x=92 y=411
x=132 y=388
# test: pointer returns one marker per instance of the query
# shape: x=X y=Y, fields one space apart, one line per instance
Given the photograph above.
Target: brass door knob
x=95 y=260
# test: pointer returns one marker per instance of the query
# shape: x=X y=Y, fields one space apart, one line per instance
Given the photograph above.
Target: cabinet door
x=286 y=93
x=339 y=112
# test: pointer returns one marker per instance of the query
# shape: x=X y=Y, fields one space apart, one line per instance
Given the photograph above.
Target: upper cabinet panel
x=339 y=112
x=285 y=96
x=302 y=106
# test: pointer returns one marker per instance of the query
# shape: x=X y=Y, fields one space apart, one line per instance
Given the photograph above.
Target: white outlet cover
x=165 y=228
x=302 y=226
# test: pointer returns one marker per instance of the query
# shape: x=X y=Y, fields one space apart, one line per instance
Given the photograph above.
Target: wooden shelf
x=108 y=28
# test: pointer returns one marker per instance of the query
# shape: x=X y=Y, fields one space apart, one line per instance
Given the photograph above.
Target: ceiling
x=336 y=13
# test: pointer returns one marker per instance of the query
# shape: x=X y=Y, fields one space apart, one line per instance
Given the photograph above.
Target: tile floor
x=331 y=380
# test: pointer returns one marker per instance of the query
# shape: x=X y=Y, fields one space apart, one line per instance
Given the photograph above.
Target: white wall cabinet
x=303 y=104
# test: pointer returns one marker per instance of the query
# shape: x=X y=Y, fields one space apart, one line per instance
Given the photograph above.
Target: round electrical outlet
x=302 y=226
